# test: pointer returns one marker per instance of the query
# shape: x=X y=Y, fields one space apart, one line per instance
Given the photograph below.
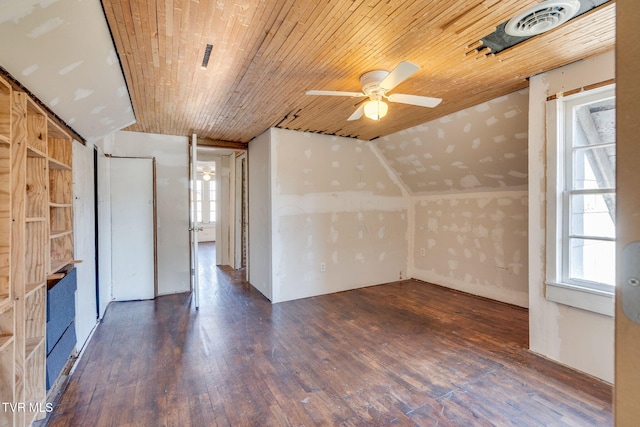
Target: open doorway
x=221 y=204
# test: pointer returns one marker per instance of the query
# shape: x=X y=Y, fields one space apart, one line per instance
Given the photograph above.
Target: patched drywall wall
x=63 y=52
x=339 y=217
x=467 y=174
x=482 y=148
x=172 y=202
x=581 y=339
x=474 y=243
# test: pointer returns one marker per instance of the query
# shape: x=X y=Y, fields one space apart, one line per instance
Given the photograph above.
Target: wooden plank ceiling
x=267 y=53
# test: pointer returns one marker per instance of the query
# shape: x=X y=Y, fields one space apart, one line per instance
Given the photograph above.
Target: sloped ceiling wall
x=483 y=148
x=62 y=51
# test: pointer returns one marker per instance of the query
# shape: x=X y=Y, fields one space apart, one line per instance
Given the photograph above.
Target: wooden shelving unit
x=36 y=240
x=7 y=305
x=60 y=197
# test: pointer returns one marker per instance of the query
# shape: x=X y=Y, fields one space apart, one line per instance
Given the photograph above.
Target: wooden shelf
x=5 y=140
x=56 y=164
x=32 y=287
x=36 y=219
x=34 y=152
x=57 y=265
x=59 y=233
x=31 y=345
x=60 y=205
x=3 y=299
x=5 y=340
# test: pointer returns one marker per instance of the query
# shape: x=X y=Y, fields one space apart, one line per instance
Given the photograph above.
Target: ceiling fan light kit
x=375 y=85
x=375 y=110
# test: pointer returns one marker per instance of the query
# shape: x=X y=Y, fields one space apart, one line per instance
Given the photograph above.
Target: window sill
x=597 y=301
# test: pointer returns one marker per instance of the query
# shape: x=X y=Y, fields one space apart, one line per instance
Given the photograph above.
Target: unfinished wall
x=578 y=338
x=467 y=173
x=339 y=220
x=172 y=201
x=259 y=181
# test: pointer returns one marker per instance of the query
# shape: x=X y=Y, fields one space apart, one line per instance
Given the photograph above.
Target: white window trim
x=572 y=294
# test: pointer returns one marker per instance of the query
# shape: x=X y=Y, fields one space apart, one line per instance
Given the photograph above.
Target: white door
x=132 y=229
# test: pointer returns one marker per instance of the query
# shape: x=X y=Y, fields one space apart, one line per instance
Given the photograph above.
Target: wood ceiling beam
x=206 y=142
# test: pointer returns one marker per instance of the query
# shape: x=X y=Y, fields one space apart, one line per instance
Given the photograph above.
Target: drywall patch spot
x=71 y=120
x=511 y=114
x=106 y=121
x=453 y=264
x=98 y=110
x=43 y=29
x=380 y=185
x=517 y=174
x=112 y=58
x=505 y=202
x=486 y=159
x=307 y=171
x=467 y=128
x=334 y=257
x=500 y=138
x=450 y=148
x=69 y=68
x=469 y=181
x=381 y=232
x=459 y=165
x=482 y=107
x=448 y=182
x=30 y=70
x=54 y=102
x=335 y=164
x=381 y=256
x=427 y=156
x=81 y=94
x=475 y=143
x=440 y=133
x=491 y=121
x=522 y=135
x=417 y=141
x=122 y=91
x=361 y=185
x=335 y=183
x=509 y=156
x=335 y=147
x=431 y=243
x=307 y=153
x=360 y=167
x=359 y=257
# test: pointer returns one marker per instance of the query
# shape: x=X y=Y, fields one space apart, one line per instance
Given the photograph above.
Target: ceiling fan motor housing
x=370 y=82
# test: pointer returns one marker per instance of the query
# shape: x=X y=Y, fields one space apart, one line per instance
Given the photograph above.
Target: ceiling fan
x=375 y=85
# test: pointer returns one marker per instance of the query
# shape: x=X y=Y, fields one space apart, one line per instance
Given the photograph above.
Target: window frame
x=587 y=295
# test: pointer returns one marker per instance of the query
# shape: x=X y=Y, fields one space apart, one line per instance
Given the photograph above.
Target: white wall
x=574 y=337
x=467 y=174
x=333 y=203
x=259 y=180
x=84 y=241
x=172 y=201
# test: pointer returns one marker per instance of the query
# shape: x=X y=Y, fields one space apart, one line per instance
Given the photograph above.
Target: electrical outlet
x=422 y=252
x=323 y=267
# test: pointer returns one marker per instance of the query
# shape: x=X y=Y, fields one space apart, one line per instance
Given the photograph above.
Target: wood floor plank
x=405 y=353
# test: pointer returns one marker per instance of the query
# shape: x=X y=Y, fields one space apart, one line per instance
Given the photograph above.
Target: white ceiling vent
x=542 y=17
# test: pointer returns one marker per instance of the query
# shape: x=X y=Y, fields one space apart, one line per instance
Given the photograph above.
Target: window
x=206 y=200
x=581 y=200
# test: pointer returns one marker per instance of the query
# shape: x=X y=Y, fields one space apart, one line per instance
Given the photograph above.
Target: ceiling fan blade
x=399 y=74
x=422 y=101
x=334 y=93
x=357 y=114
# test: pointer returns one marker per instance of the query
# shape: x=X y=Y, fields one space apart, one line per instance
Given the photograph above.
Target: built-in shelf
x=60 y=205
x=5 y=140
x=3 y=298
x=5 y=341
x=31 y=345
x=56 y=164
x=59 y=233
x=55 y=266
x=32 y=287
x=36 y=219
x=34 y=152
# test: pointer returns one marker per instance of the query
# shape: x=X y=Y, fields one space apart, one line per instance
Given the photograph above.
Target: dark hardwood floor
x=405 y=353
